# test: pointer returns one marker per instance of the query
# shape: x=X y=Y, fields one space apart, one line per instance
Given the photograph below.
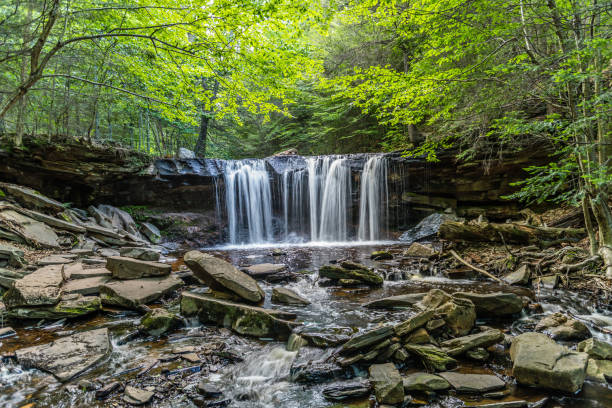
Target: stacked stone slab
x=136 y=282
x=231 y=300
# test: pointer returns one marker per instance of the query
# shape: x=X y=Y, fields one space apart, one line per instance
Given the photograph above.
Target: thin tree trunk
x=603 y=216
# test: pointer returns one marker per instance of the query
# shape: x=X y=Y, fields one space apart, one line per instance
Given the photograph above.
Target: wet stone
x=316 y=372
x=7 y=332
x=539 y=361
x=595 y=348
x=347 y=391
x=478 y=354
x=262 y=270
x=39 y=288
x=222 y=276
x=288 y=296
x=88 y=286
x=129 y=268
x=425 y=382
x=599 y=370
x=473 y=383
x=519 y=277
x=419 y=250
x=159 y=321
x=387 y=383
x=208 y=390
x=460 y=345
x=381 y=255
x=135 y=292
x=366 y=339
x=67 y=357
x=493 y=304
x=136 y=396
x=413 y=323
x=562 y=327
x=141 y=253
x=395 y=301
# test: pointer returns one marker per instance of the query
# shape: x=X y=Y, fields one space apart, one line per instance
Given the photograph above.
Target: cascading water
x=373 y=191
x=248 y=199
x=313 y=201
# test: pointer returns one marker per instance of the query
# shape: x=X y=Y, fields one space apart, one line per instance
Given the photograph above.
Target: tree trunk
x=511 y=233
x=200 y=147
x=603 y=216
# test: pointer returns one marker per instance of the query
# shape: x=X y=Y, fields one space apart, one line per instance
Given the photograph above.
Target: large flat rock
x=69 y=306
x=223 y=276
x=30 y=198
x=390 y=302
x=473 y=383
x=130 y=268
x=41 y=287
x=68 y=357
x=86 y=286
x=539 y=361
x=493 y=304
x=264 y=269
x=135 y=292
x=32 y=231
x=243 y=319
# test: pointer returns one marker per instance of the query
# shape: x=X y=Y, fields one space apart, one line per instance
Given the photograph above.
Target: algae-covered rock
x=243 y=319
x=69 y=306
x=288 y=296
x=596 y=348
x=425 y=382
x=351 y=271
x=562 y=327
x=159 y=321
x=433 y=358
x=493 y=304
x=387 y=383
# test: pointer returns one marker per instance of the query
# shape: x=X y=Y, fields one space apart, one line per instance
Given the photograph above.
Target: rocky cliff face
x=82 y=174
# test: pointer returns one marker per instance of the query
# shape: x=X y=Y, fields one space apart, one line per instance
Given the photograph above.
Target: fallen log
x=511 y=233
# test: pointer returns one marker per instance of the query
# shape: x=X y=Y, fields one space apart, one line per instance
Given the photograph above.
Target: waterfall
x=248 y=202
x=373 y=190
x=335 y=203
x=312 y=200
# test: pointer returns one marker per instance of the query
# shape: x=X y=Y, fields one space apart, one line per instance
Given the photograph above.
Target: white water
x=313 y=203
x=373 y=192
x=248 y=199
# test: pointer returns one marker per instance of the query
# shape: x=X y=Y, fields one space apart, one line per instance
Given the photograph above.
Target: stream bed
x=262 y=378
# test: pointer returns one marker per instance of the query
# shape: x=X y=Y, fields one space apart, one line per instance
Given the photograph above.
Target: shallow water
x=262 y=379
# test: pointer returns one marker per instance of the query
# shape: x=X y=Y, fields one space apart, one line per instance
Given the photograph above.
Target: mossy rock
x=159 y=321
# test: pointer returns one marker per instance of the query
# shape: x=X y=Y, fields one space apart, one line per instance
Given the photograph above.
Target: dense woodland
x=250 y=78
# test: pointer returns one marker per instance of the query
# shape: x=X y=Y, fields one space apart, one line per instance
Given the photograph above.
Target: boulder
x=460 y=345
x=459 y=315
x=184 y=153
x=366 y=339
x=287 y=296
x=69 y=306
x=86 y=286
x=144 y=254
x=129 y=268
x=314 y=372
x=562 y=327
x=345 y=391
x=136 y=396
x=121 y=221
x=539 y=361
x=390 y=302
x=243 y=319
x=30 y=198
x=381 y=255
x=473 y=383
x=477 y=354
x=350 y=272
x=493 y=304
x=415 y=322
x=433 y=299
x=519 y=277
x=40 y=288
x=159 y=321
x=30 y=230
x=596 y=349
x=425 y=382
x=151 y=232
x=12 y=254
x=599 y=370
x=108 y=252
x=387 y=383
x=433 y=358
x=418 y=250
x=69 y=356
x=223 y=276
x=56 y=222
x=428 y=227
x=260 y=271
x=136 y=292
x=324 y=339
